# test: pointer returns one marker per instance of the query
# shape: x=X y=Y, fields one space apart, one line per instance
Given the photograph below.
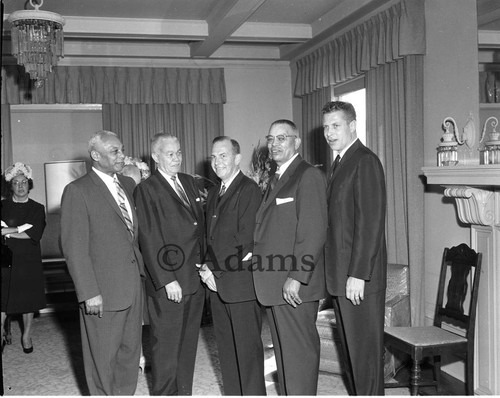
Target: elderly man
x=171 y=235
x=288 y=267
x=99 y=241
x=356 y=259
x=231 y=209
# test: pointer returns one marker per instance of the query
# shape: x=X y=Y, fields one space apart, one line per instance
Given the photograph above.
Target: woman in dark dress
x=23 y=222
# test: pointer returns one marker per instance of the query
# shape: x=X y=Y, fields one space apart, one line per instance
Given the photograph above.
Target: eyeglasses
x=279 y=138
x=20 y=183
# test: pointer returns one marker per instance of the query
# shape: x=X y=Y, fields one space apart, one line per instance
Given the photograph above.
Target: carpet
x=56 y=366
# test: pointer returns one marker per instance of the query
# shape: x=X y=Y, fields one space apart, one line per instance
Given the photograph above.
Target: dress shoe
x=142 y=364
x=28 y=350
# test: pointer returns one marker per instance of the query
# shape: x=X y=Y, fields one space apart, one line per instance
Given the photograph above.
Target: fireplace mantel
x=476 y=190
x=472 y=175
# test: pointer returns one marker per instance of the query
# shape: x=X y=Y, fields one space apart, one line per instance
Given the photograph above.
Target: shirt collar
x=343 y=151
x=167 y=176
x=105 y=177
x=226 y=184
x=281 y=169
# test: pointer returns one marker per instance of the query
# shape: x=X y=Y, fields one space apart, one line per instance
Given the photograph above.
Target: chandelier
x=37 y=40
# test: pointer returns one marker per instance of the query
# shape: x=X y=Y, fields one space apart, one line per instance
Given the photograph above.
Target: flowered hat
x=143 y=167
x=17 y=169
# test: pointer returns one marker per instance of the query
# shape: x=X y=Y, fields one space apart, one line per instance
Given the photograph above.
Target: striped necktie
x=180 y=192
x=123 y=208
x=221 y=193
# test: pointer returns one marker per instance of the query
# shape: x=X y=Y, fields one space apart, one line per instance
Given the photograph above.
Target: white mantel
x=473 y=175
x=476 y=190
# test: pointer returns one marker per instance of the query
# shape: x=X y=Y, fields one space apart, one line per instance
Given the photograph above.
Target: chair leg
x=437 y=372
x=415 y=377
x=469 y=374
x=8 y=333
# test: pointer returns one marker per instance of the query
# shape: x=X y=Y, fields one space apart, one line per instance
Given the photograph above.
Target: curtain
x=116 y=85
x=137 y=103
x=196 y=125
x=395 y=132
x=6 y=138
x=386 y=37
x=388 y=49
x=314 y=148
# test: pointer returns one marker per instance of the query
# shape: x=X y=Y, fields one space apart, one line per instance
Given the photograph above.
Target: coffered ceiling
x=210 y=29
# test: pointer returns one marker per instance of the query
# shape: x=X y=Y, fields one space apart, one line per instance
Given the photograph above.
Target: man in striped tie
x=172 y=238
x=99 y=242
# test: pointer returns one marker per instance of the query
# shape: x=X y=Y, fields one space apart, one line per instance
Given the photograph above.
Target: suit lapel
x=214 y=208
x=132 y=205
x=169 y=190
x=229 y=191
x=192 y=194
x=349 y=153
x=166 y=186
x=271 y=196
x=103 y=189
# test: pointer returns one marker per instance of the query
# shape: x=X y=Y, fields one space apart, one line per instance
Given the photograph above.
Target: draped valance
x=116 y=85
x=386 y=37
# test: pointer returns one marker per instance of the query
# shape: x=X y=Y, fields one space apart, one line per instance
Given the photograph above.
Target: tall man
x=356 y=259
x=288 y=261
x=99 y=241
x=231 y=209
x=171 y=235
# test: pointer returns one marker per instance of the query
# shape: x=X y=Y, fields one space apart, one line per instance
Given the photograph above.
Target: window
x=354 y=92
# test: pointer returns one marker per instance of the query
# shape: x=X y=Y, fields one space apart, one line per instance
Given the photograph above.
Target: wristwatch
x=7 y=236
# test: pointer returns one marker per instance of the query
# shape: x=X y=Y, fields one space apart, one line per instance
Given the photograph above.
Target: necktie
x=123 y=207
x=274 y=180
x=272 y=183
x=334 y=166
x=180 y=192
x=222 y=192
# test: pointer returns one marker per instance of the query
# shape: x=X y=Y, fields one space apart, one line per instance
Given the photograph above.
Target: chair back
x=459 y=284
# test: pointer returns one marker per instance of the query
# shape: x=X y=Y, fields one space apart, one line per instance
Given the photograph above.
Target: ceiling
x=212 y=29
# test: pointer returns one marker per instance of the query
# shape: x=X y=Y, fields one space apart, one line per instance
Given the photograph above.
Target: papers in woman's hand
x=24 y=227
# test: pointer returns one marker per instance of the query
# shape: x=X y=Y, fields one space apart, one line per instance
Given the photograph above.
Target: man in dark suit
x=231 y=209
x=171 y=235
x=288 y=263
x=99 y=241
x=356 y=259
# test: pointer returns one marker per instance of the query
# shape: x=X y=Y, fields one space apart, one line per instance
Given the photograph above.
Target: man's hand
x=355 y=290
x=207 y=276
x=291 y=292
x=174 y=292
x=93 y=306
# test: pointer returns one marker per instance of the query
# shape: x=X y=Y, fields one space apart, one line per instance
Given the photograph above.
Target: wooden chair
x=459 y=266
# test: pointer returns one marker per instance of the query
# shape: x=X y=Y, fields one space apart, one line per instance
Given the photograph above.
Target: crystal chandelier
x=37 y=40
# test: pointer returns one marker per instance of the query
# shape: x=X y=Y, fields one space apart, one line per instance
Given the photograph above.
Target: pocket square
x=197 y=199
x=280 y=201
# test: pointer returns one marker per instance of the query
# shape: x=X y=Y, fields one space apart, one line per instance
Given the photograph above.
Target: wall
x=450 y=89
x=42 y=134
x=256 y=96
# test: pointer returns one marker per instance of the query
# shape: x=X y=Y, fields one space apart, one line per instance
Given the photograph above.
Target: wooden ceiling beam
x=225 y=19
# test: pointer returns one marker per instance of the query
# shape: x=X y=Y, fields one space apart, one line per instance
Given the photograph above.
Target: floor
x=55 y=367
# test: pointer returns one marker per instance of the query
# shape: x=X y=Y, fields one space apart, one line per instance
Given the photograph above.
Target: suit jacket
x=171 y=235
x=230 y=226
x=291 y=224
x=101 y=255
x=355 y=245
